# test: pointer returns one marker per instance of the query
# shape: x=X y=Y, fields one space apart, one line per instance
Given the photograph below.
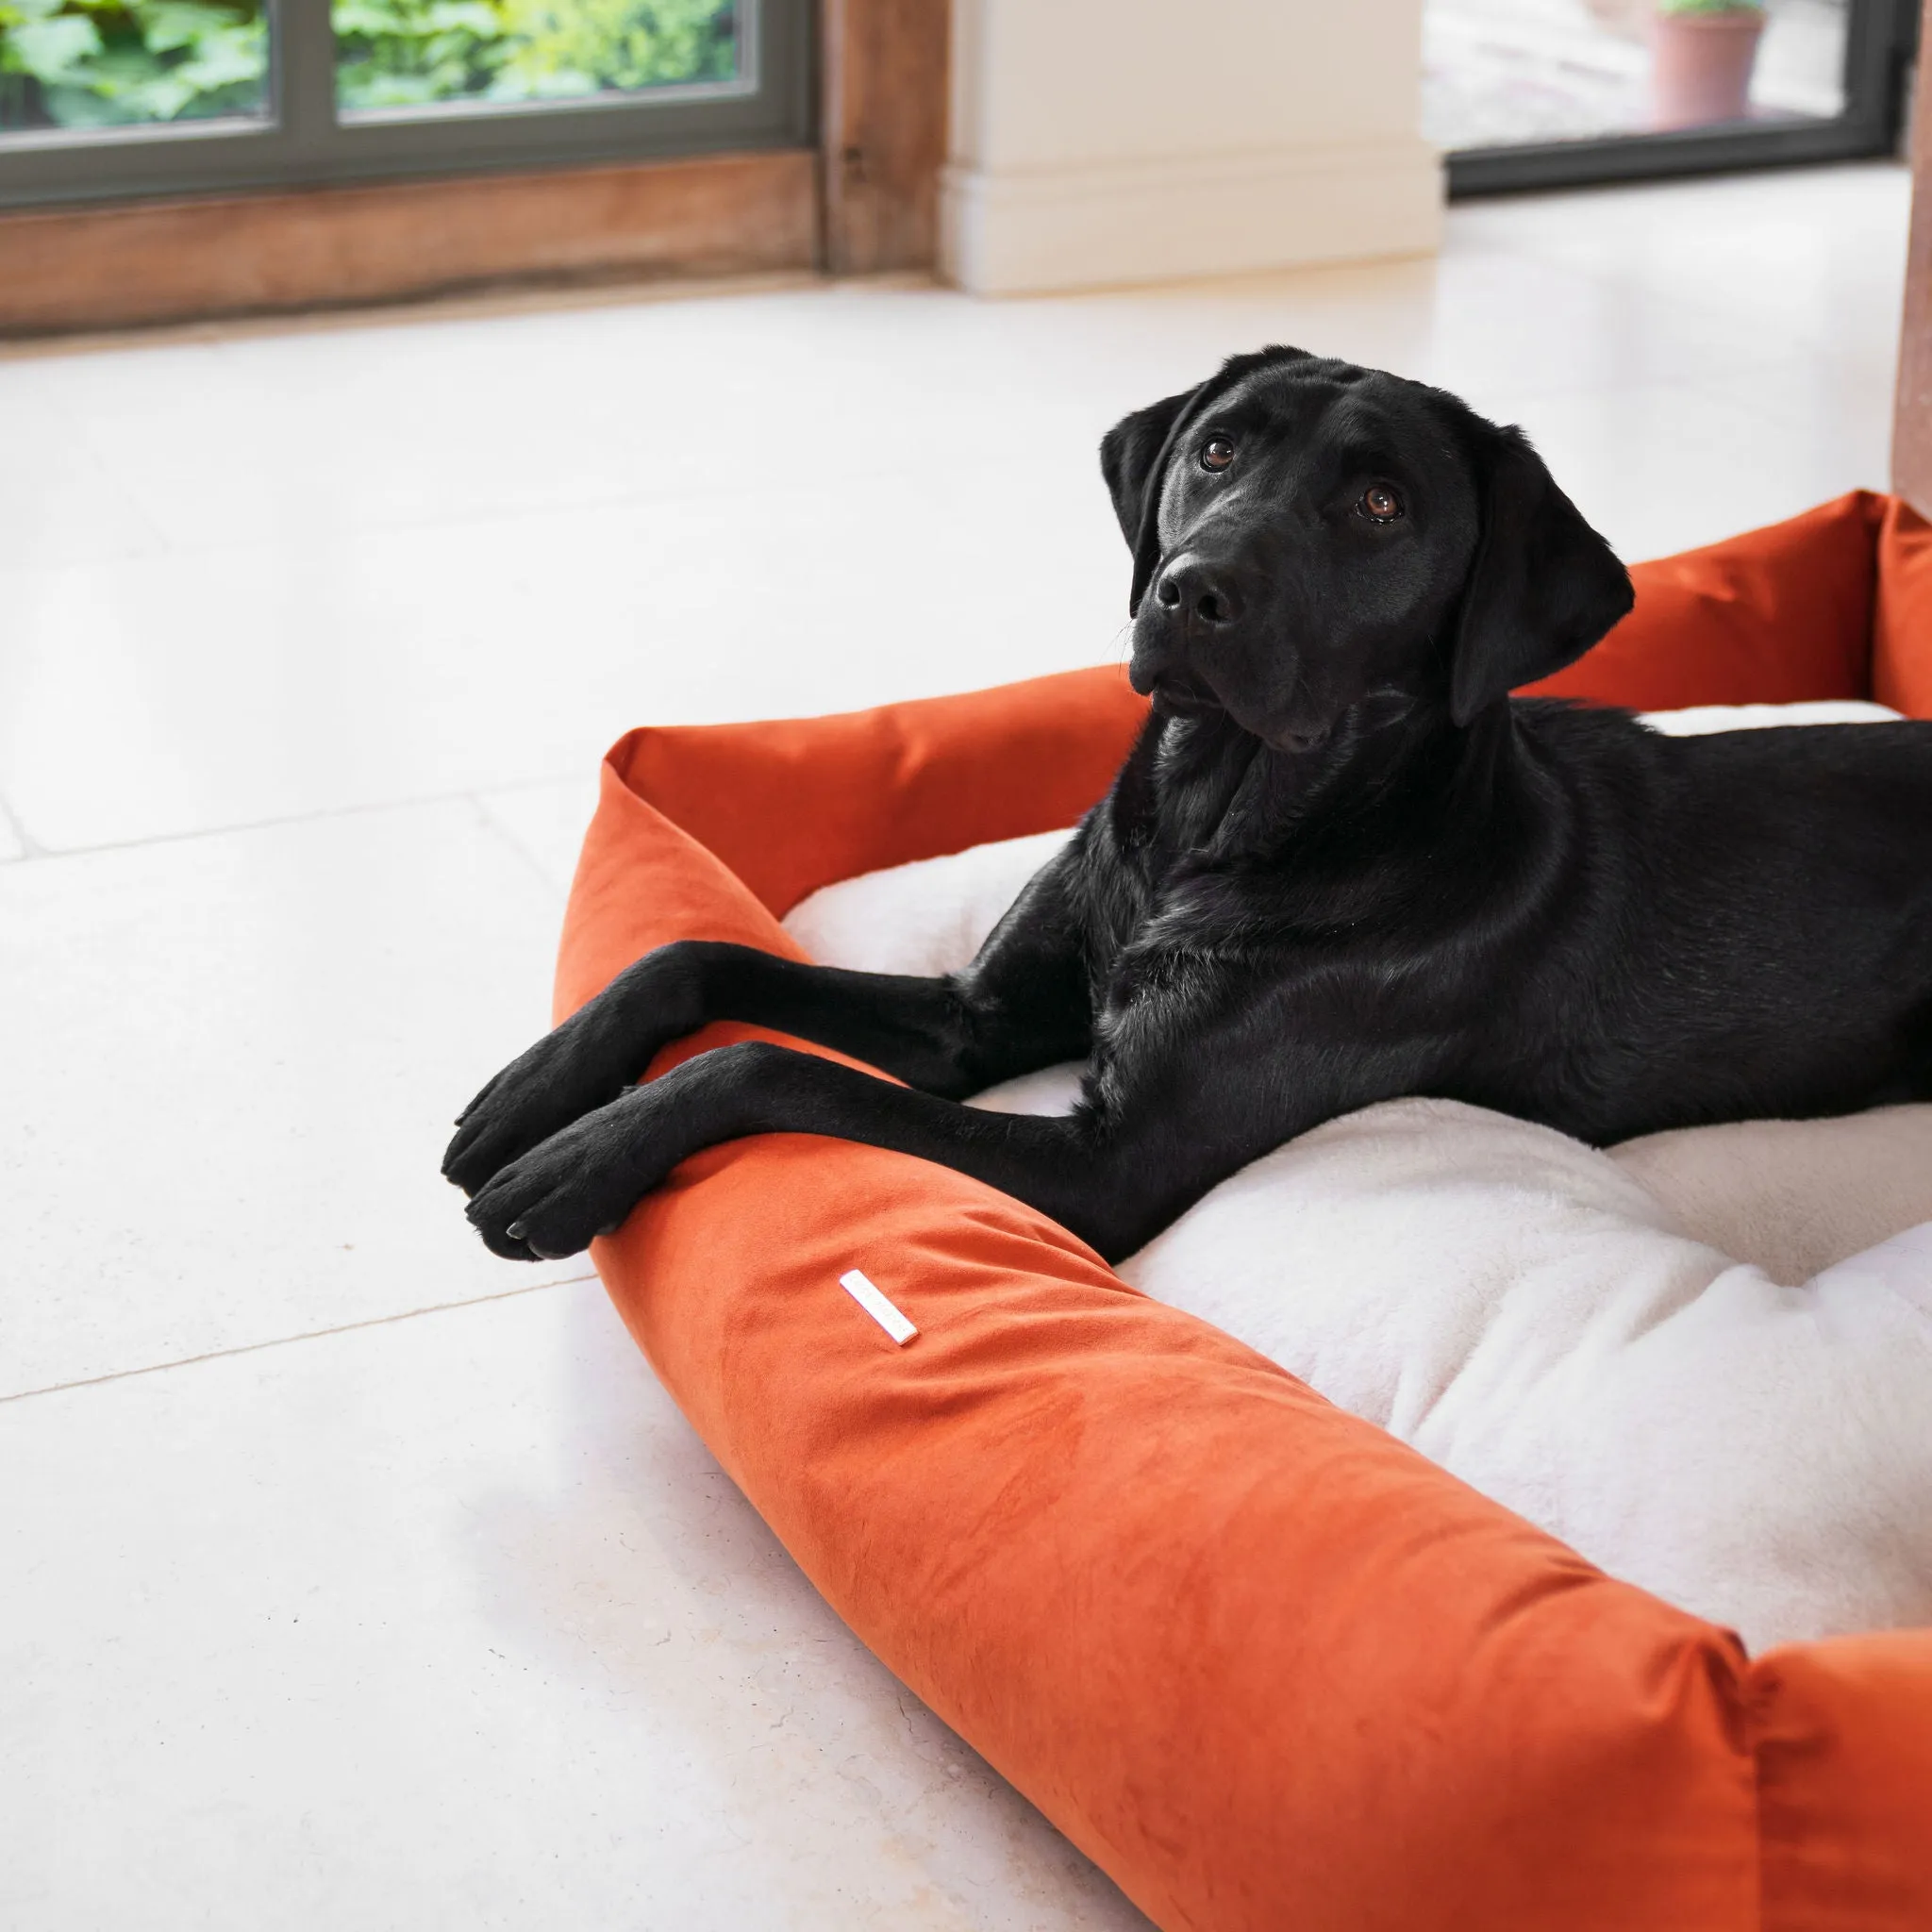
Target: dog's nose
x=1198 y=595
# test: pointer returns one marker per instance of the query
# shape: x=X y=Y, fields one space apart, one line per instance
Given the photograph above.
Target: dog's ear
x=1133 y=458
x=1544 y=588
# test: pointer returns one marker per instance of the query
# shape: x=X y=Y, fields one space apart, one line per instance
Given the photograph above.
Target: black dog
x=1339 y=865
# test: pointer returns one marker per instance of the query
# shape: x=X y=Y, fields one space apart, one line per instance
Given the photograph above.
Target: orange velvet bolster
x=1265 y=1664
x=1769 y=618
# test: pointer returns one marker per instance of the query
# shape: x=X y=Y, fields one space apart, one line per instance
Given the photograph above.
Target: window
x=1541 y=93
x=119 y=97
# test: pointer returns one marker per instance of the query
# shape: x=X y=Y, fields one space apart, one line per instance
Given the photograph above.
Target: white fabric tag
x=877 y=1307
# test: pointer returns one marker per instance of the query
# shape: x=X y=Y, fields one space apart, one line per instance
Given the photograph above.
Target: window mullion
x=306 y=75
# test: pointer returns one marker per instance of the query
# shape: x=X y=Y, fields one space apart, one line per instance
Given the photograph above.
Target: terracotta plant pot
x=1700 y=70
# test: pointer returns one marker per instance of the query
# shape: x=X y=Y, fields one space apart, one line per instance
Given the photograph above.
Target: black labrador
x=1339 y=865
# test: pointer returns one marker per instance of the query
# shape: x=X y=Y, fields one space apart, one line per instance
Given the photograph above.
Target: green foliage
x=1710 y=5
x=107 y=63
x=408 y=53
x=412 y=53
x=94 y=64
x=580 y=46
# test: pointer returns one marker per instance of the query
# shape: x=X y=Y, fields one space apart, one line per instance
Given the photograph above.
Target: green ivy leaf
x=352 y=17
x=223 y=61
x=50 y=49
x=172 y=24
x=469 y=16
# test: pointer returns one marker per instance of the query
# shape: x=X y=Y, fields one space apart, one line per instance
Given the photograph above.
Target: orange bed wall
x=1821 y=606
x=1266 y=1665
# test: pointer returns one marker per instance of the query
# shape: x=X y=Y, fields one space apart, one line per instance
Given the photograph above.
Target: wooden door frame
x=884 y=70
x=863 y=200
x=1911 y=417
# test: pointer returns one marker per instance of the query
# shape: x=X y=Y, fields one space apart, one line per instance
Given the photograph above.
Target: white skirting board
x=1019 y=233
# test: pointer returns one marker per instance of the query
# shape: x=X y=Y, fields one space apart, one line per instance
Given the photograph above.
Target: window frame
x=1881 y=39
x=304 y=143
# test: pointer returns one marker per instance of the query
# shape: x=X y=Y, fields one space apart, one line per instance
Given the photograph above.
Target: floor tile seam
x=9 y=824
x=506 y=833
x=217 y=1355
x=168 y=549
x=34 y=849
x=477 y=795
x=102 y=460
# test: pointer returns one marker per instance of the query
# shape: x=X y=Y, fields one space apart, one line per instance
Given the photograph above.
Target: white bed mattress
x=1702 y=1358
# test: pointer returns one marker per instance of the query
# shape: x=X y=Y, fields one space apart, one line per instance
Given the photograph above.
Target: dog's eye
x=1218 y=453
x=1381 y=504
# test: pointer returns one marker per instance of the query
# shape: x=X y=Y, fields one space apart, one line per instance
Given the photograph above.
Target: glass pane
x=79 y=66
x=1506 y=73
x=415 y=56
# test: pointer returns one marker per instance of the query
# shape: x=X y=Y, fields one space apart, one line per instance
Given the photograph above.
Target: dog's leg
x=1024 y=1003
x=584 y=1180
x=1135 y=1154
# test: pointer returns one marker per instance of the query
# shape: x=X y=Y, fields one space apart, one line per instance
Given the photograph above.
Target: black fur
x=1339 y=865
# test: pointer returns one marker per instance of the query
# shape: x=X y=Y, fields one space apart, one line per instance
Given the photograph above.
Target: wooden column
x=884 y=131
x=1912 y=421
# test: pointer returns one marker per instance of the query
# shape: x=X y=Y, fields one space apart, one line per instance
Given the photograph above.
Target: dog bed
x=1566 y=1330
x=1263 y=1661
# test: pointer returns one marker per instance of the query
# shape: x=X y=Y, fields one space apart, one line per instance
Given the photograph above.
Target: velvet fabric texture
x=1262 y=1662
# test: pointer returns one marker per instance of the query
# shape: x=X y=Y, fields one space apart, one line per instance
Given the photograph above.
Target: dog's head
x=1308 y=535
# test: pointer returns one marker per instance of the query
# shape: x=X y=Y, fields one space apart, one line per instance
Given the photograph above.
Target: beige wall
x=1110 y=141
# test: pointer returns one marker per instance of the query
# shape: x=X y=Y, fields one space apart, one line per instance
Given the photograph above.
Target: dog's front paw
x=579 y=1183
x=586 y=1062
x=539 y=1095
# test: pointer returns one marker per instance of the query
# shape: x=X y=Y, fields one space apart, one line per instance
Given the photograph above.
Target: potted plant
x=1702 y=53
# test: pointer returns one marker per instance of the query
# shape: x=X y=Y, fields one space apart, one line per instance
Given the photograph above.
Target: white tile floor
x=355 y=1579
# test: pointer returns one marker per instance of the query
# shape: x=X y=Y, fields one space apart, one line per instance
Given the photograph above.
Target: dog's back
x=1646 y=932
x=1772 y=952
